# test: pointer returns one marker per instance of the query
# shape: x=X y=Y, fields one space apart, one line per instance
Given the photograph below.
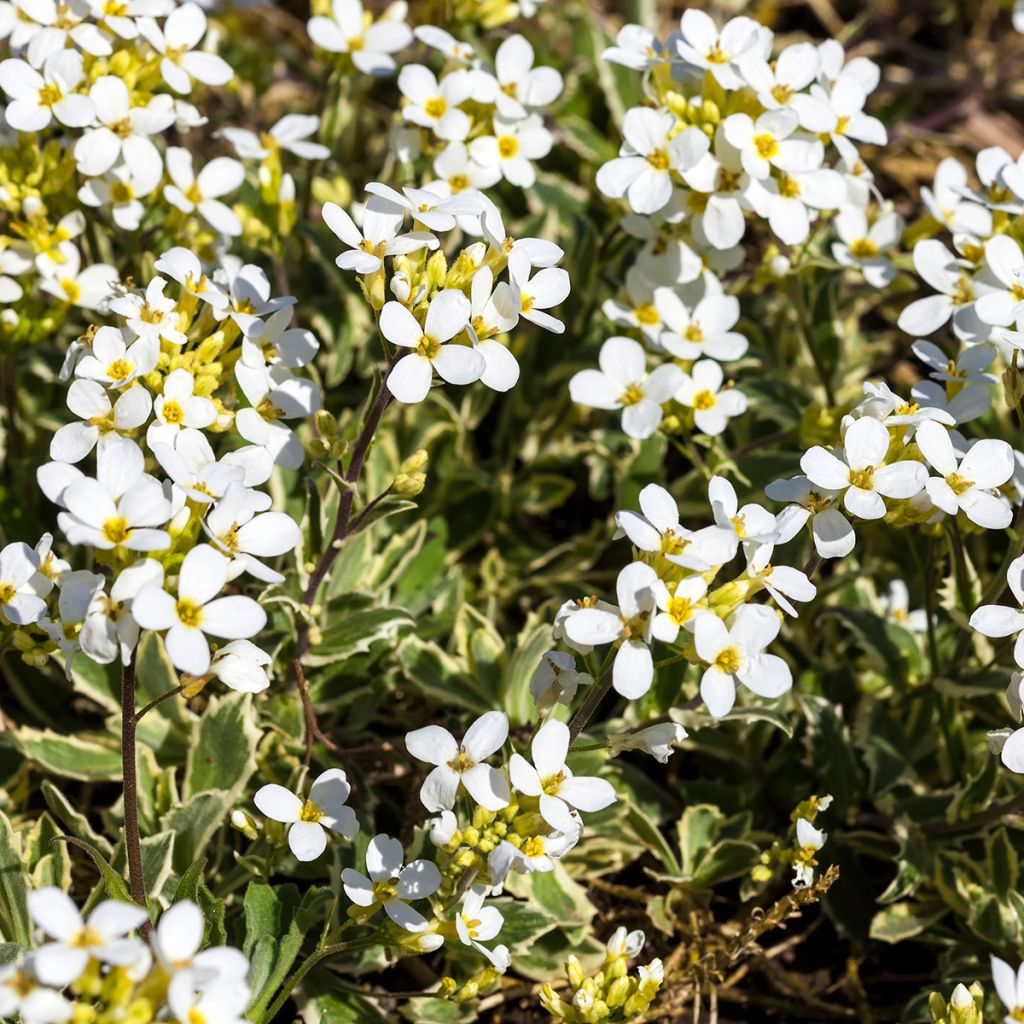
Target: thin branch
x=132 y=840
x=313 y=731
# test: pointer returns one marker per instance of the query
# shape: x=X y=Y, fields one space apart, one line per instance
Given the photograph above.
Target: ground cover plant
x=511 y=511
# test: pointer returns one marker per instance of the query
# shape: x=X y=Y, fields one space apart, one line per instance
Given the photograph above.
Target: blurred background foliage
x=444 y=612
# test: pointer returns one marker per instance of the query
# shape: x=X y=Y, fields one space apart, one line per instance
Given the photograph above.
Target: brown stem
x=132 y=841
x=157 y=701
x=313 y=731
x=342 y=523
x=589 y=706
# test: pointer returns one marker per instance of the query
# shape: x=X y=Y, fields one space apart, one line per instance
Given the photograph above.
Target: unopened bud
x=245 y=823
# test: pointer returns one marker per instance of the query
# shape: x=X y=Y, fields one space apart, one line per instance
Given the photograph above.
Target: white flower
x=846 y=101
x=476 y=924
x=462 y=763
x=379 y=236
x=750 y=524
x=150 y=313
x=769 y=142
x=308 y=820
x=178 y=406
x=290 y=132
x=491 y=313
x=790 y=201
x=623 y=383
x=122 y=131
x=122 y=508
x=176 y=43
x=192 y=997
x=280 y=344
x=631 y=623
x=1001 y=286
x=996 y=620
x=346 y=32
x=438 y=39
x=177 y=939
x=23 y=997
x=896 y=608
x=706 y=330
x=780 y=86
x=202 y=194
x=22 y=586
x=275 y=394
x=547 y=288
x=89 y=289
x=246 y=537
x=457 y=172
x=865 y=247
x=735 y=653
x=783 y=582
x=701 y=44
x=197 y=611
x=435 y=105
x=860 y=473
x=712 y=407
x=184 y=266
x=100 y=418
x=677 y=607
x=1009 y=986
x=109 y=629
x=809 y=839
x=968 y=368
x=947 y=204
x=433 y=211
x=390 y=884
x=636 y=47
x=643 y=171
x=513 y=147
x=522 y=86
x=447 y=316
x=550 y=778
x=37 y=97
x=657 y=740
x=641 y=311
x=830 y=530
x=964 y=484
x=12 y=262
x=242 y=666
x=947 y=275
x=555 y=680
x=103 y=936
x=122 y=189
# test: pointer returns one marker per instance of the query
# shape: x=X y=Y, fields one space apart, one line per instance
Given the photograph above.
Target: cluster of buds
x=612 y=994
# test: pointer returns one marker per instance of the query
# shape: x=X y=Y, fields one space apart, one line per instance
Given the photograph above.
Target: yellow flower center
x=461 y=762
x=7 y=592
x=739 y=524
x=957 y=484
x=862 y=478
x=863 y=248
x=428 y=347
x=458 y=182
x=116 y=530
x=71 y=288
x=728 y=181
x=385 y=891
x=704 y=399
x=633 y=394
x=680 y=610
x=310 y=812
x=789 y=188
x=781 y=93
x=120 y=369
x=552 y=784
x=533 y=847
x=85 y=938
x=646 y=314
x=659 y=160
x=121 y=192
x=766 y=146
x=508 y=146
x=172 y=413
x=694 y=332
x=189 y=613
x=115 y=9
x=193 y=195
x=841 y=125
x=716 y=55
x=672 y=543
x=472 y=925
x=435 y=107
x=195 y=1017
x=50 y=95
x=728 y=660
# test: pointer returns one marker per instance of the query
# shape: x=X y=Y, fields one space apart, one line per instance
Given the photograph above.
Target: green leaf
x=71 y=757
x=905 y=920
x=222 y=755
x=1002 y=864
x=14 y=885
x=194 y=824
x=442 y=677
x=698 y=828
x=114 y=883
x=356 y=631
x=727 y=859
x=74 y=823
x=650 y=835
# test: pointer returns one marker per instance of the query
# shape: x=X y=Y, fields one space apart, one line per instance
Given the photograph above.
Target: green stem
x=803 y=321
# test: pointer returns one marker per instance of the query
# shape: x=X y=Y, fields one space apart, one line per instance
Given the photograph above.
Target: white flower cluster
x=523 y=818
x=201 y=984
x=115 y=124
x=729 y=133
x=154 y=391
